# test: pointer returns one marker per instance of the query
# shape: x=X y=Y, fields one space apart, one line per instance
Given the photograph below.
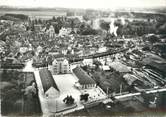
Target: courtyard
x=65 y=83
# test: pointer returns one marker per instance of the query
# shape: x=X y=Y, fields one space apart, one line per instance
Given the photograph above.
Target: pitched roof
x=119 y=67
x=47 y=79
x=83 y=77
x=155 y=62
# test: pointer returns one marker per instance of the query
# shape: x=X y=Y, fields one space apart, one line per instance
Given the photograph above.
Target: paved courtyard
x=95 y=94
x=65 y=84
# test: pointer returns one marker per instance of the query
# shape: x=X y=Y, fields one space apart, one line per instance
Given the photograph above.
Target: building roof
x=130 y=78
x=119 y=67
x=155 y=62
x=62 y=60
x=83 y=77
x=47 y=79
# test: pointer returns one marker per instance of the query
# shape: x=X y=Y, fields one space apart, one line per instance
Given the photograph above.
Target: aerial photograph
x=83 y=58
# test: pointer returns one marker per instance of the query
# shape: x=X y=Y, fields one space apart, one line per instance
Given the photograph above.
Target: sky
x=95 y=4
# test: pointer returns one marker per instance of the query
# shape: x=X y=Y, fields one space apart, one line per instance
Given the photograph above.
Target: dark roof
x=159 y=66
x=47 y=79
x=12 y=66
x=83 y=77
x=118 y=66
x=155 y=62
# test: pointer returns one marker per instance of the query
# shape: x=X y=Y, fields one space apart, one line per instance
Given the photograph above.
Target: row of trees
x=134 y=28
x=59 y=22
x=17 y=95
x=131 y=28
x=14 y=17
x=70 y=100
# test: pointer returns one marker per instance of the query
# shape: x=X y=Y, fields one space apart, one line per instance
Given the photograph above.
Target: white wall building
x=51 y=32
x=64 y=31
x=60 y=66
x=88 y=62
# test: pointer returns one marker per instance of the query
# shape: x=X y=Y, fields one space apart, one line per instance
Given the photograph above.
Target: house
x=38 y=27
x=51 y=32
x=105 y=68
x=117 y=66
x=88 y=62
x=129 y=78
x=60 y=66
x=63 y=31
x=49 y=86
x=84 y=79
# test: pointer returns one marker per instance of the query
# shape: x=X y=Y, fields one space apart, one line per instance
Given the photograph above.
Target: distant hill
x=48 y=13
x=14 y=17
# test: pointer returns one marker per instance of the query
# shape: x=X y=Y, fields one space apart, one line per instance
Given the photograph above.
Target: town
x=57 y=62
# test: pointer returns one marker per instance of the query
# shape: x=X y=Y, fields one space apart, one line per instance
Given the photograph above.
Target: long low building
x=84 y=79
x=50 y=88
x=117 y=66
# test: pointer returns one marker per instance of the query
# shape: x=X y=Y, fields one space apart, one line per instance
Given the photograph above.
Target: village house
x=60 y=66
x=51 y=32
x=88 y=62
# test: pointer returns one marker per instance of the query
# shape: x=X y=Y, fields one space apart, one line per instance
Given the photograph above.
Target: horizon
x=84 y=4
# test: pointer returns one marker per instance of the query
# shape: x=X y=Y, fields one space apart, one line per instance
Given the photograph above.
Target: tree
x=82 y=27
x=162 y=102
x=30 y=91
x=53 y=18
x=68 y=100
x=32 y=27
x=84 y=97
x=153 y=39
x=85 y=17
x=39 y=21
x=72 y=24
x=85 y=29
x=162 y=29
x=146 y=98
x=97 y=64
x=105 y=26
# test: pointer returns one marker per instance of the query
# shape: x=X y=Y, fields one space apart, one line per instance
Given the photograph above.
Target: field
x=35 y=14
x=13 y=99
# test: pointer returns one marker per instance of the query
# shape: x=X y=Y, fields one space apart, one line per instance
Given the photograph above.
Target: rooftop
x=156 y=62
x=119 y=67
x=47 y=80
x=83 y=77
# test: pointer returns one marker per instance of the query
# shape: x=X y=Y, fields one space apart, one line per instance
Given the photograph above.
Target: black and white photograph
x=83 y=58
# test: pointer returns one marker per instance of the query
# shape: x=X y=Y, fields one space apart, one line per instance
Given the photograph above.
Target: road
x=139 y=93
x=43 y=102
